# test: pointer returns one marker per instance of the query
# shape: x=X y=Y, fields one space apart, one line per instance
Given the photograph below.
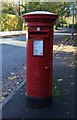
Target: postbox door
x=39 y=67
x=48 y=64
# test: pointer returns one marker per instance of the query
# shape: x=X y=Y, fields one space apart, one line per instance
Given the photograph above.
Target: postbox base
x=36 y=102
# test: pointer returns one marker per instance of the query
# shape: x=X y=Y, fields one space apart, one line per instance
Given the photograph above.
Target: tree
x=60 y=8
x=55 y=7
x=7 y=8
x=10 y=7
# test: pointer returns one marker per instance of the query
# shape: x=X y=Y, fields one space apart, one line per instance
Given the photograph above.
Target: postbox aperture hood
x=39 y=18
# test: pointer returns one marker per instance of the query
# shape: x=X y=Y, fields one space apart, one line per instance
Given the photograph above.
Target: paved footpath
x=12 y=33
x=63 y=105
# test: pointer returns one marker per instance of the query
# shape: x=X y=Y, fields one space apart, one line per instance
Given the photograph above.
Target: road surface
x=14 y=52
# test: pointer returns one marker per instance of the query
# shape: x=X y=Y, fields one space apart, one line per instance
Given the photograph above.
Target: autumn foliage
x=11 y=23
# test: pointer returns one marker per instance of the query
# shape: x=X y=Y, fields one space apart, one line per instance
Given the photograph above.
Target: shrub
x=11 y=23
x=75 y=26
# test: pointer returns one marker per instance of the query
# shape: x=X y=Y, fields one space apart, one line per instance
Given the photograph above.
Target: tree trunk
x=75 y=19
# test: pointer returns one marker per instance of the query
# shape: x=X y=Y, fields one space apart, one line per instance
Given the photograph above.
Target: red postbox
x=39 y=57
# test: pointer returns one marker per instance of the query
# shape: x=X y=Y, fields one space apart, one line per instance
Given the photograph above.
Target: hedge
x=11 y=23
x=75 y=26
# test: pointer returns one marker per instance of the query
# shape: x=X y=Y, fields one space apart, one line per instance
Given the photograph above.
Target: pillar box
x=39 y=57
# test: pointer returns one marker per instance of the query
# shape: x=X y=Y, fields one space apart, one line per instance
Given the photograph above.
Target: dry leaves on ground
x=64 y=48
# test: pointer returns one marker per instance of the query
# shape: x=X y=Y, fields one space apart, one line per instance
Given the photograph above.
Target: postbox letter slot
x=38 y=33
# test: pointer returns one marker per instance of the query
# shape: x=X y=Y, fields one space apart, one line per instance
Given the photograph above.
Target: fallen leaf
x=67 y=112
x=65 y=89
x=70 y=65
x=1 y=99
x=17 y=77
x=57 y=94
x=5 y=95
x=10 y=89
x=65 y=59
x=66 y=76
x=72 y=83
x=68 y=91
x=21 y=76
x=58 y=91
x=26 y=110
x=12 y=73
x=14 y=68
x=17 y=83
x=55 y=87
x=65 y=103
x=70 y=76
x=60 y=79
x=14 y=77
x=11 y=78
x=24 y=67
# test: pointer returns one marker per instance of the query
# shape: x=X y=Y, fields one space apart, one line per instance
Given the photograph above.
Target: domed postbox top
x=39 y=12
x=39 y=18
